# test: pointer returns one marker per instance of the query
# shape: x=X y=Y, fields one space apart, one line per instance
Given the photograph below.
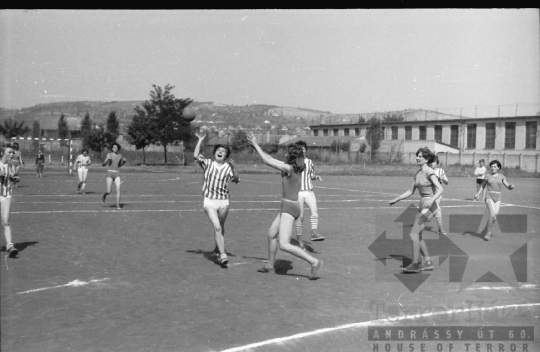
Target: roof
x=325 y=141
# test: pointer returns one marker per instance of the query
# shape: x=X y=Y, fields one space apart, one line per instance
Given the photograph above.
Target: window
x=383 y=135
x=471 y=136
x=315 y=133
x=490 y=135
x=438 y=133
x=408 y=133
x=357 y=131
x=325 y=132
x=346 y=132
x=336 y=132
x=422 y=130
x=510 y=135
x=530 y=135
x=394 y=132
x=454 y=131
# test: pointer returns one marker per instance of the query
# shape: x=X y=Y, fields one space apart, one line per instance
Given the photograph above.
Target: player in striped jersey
x=217 y=175
x=441 y=175
x=7 y=176
x=306 y=195
x=81 y=165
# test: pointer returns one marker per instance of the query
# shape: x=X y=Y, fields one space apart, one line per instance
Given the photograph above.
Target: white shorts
x=216 y=204
x=83 y=172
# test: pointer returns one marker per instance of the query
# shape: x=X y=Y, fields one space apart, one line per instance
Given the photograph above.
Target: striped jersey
x=83 y=161
x=307 y=175
x=5 y=182
x=216 y=179
x=441 y=175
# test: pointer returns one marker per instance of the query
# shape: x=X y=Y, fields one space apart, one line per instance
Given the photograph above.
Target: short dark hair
x=496 y=162
x=435 y=159
x=116 y=144
x=426 y=154
x=301 y=143
x=226 y=147
x=482 y=161
x=84 y=150
x=15 y=144
x=295 y=157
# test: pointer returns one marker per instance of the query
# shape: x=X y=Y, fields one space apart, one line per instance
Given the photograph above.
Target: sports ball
x=189 y=114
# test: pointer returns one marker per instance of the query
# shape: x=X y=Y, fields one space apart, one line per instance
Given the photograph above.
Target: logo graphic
x=469 y=259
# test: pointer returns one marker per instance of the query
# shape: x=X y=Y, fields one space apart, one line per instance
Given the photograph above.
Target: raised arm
x=235 y=177
x=197 y=150
x=267 y=159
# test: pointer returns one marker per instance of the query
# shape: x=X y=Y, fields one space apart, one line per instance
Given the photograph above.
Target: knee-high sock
x=299 y=228
x=314 y=221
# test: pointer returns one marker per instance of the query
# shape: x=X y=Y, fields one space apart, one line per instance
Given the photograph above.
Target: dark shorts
x=479 y=181
x=112 y=174
x=291 y=207
x=15 y=162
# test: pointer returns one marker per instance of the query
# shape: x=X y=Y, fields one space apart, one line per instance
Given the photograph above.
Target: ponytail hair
x=295 y=158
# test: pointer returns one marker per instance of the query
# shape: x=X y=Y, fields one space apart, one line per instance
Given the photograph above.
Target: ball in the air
x=188 y=114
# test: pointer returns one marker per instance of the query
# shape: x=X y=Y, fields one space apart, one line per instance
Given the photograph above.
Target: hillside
x=208 y=113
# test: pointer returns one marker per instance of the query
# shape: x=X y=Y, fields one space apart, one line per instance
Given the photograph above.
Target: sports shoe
x=316 y=237
x=265 y=269
x=412 y=268
x=103 y=198
x=12 y=251
x=443 y=232
x=427 y=265
x=215 y=253
x=118 y=208
x=315 y=268
x=487 y=237
x=223 y=260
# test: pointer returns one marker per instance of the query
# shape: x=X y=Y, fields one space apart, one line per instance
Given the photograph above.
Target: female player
x=441 y=176
x=114 y=161
x=17 y=161
x=430 y=190
x=40 y=162
x=494 y=182
x=281 y=229
x=480 y=173
x=307 y=196
x=7 y=177
x=81 y=165
x=217 y=175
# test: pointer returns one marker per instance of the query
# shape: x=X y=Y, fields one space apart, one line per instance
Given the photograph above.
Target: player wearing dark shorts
x=281 y=229
x=114 y=161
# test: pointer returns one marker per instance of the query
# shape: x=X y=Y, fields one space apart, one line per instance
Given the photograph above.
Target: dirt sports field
x=91 y=278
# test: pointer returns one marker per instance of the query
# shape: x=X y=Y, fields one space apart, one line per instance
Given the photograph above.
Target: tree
x=374 y=135
x=340 y=145
x=112 y=125
x=99 y=139
x=139 y=132
x=239 y=141
x=165 y=111
x=393 y=118
x=63 y=128
x=86 y=126
x=13 y=129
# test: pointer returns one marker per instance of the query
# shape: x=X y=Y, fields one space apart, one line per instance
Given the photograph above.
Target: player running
x=430 y=190
x=81 y=165
x=114 y=161
x=16 y=161
x=8 y=175
x=441 y=176
x=217 y=175
x=306 y=195
x=281 y=229
x=40 y=163
x=494 y=182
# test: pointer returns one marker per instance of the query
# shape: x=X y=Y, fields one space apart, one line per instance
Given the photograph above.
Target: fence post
x=521 y=161
x=70 y=170
x=474 y=159
x=537 y=167
x=504 y=160
x=459 y=157
x=446 y=163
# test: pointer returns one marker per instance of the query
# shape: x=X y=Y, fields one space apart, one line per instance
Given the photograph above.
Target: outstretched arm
x=235 y=177
x=198 y=146
x=267 y=159
x=507 y=185
x=405 y=195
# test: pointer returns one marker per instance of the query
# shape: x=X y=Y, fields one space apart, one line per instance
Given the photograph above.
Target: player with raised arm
x=494 y=183
x=81 y=165
x=217 y=174
x=430 y=190
x=114 y=161
x=281 y=229
x=306 y=195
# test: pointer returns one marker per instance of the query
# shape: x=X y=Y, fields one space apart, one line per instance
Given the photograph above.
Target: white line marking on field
x=74 y=283
x=501 y=288
x=372 y=322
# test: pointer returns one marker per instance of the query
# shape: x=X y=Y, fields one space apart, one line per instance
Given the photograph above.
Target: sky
x=468 y=61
